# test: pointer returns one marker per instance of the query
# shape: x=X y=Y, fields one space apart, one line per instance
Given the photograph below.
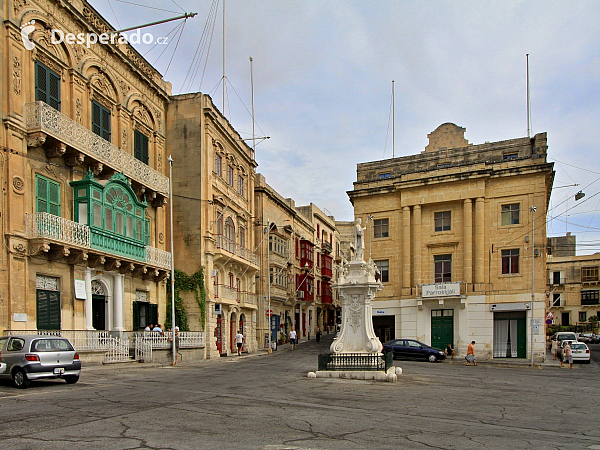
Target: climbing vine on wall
x=186 y=283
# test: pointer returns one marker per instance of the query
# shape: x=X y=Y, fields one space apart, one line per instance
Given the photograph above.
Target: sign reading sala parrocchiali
x=440 y=289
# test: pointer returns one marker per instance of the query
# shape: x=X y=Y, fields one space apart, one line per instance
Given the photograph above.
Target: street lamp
x=533 y=210
x=172 y=259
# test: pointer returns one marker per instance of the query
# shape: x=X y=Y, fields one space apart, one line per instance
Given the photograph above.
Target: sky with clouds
x=323 y=72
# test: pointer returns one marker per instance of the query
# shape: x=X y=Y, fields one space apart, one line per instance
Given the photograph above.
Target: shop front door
x=442 y=328
x=99 y=312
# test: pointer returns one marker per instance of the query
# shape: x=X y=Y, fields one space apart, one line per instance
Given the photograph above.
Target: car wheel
x=20 y=379
x=71 y=379
x=432 y=358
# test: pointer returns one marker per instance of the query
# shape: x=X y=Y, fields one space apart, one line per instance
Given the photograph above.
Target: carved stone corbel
x=127 y=268
x=112 y=264
x=140 y=271
x=56 y=152
x=139 y=190
x=38 y=247
x=96 y=168
x=162 y=275
x=74 y=159
x=96 y=261
x=159 y=202
x=151 y=274
x=58 y=253
x=36 y=139
x=77 y=257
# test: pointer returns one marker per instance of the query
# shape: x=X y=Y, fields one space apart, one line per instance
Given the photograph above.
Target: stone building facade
x=214 y=220
x=452 y=236
x=297 y=272
x=84 y=169
x=573 y=283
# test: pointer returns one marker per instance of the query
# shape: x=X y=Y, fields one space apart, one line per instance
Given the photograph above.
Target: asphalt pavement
x=266 y=401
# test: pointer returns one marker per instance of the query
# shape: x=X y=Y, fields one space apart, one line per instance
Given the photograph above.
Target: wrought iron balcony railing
x=232 y=247
x=40 y=116
x=69 y=233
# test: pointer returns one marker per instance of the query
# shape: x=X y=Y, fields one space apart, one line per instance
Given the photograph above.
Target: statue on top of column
x=359 y=245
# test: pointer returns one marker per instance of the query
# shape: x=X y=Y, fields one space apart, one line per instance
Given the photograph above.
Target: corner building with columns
x=457 y=244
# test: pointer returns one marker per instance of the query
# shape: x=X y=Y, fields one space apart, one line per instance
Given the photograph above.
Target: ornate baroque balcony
x=41 y=117
x=59 y=236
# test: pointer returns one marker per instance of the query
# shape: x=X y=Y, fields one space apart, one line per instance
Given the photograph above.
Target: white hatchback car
x=581 y=352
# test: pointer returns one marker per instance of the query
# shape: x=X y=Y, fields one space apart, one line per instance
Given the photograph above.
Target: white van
x=564 y=336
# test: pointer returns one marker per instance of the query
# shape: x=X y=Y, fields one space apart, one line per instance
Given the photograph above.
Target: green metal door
x=442 y=328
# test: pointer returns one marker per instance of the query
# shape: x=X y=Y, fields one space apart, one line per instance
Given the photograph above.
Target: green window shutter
x=136 y=316
x=41 y=75
x=54 y=198
x=153 y=313
x=47 y=86
x=48 y=310
x=140 y=146
x=96 y=125
x=41 y=194
x=105 y=115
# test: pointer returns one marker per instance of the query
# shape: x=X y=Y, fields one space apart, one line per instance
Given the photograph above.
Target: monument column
x=468 y=240
x=406 y=250
x=479 y=240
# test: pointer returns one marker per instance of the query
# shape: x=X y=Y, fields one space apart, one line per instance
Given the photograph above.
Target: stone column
x=88 y=299
x=417 y=234
x=406 y=250
x=479 y=240
x=468 y=240
x=118 y=302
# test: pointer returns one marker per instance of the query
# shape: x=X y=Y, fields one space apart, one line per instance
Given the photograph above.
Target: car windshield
x=578 y=346
x=569 y=337
x=51 y=345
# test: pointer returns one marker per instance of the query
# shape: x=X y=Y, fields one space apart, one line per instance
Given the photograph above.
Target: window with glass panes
x=47 y=195
x=241 y=185
x=47 y=86
x=140 y=146
x=589 y=274
x=381 y=228
x=100 y=120
x=384 y=268
x=590 y=297
x=442 y=268
x=218 y=165
x=442 y=221
x=230 y=175
x=510 y=261
x=511 y=214
x=278 y=245
x=582 y=316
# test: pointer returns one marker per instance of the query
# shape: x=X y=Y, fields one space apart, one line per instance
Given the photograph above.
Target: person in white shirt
x=293 y=339
x=239 y=340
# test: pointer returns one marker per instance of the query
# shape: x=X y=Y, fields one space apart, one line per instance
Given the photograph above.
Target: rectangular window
x=509 y=156
x=556 y=278
x=442 y=268
x=47 y=86
x=230 y=175
x=582 y=316
x=383 y=176
x=100 y=120
x=140 y=146
x=589 y=274
x=381 y=228
x=47 y=195
x=511 y=214
x=510 y=261
x=97 y=215
x=384 y=269
x=556 y=300
x=590 y=297
x=108 y=220
x=241 y=185
x=218 y=165
x=442 y=221
x=242 y=237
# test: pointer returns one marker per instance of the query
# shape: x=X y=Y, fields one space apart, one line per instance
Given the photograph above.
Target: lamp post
x=172 y=258
x=269 y=312
x=533 y=209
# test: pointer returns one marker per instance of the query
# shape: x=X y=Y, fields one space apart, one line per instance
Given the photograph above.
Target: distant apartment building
x=214 y=220
x=84 y=172
x=297 y=252
x=573 y=283
x=451 y=233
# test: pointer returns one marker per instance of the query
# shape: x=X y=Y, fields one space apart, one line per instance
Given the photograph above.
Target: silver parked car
x=26 y=358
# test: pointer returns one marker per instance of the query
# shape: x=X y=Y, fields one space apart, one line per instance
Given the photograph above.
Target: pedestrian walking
x=293 y=339
x=554 y=348
x=567 y=355
x=319 y=334
x=471 y=354
x=239 y=340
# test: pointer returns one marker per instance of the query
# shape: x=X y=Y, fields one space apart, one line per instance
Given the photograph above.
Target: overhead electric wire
x=157 y=43
x=238 y=95
x=176 y=4
x=114 y=14
x=146 y=6
x=176 y=46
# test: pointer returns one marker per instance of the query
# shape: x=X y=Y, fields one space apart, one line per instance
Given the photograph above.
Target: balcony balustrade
x=228 y=293
x=48 y=227
x=41 y=117
x=234 y=248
